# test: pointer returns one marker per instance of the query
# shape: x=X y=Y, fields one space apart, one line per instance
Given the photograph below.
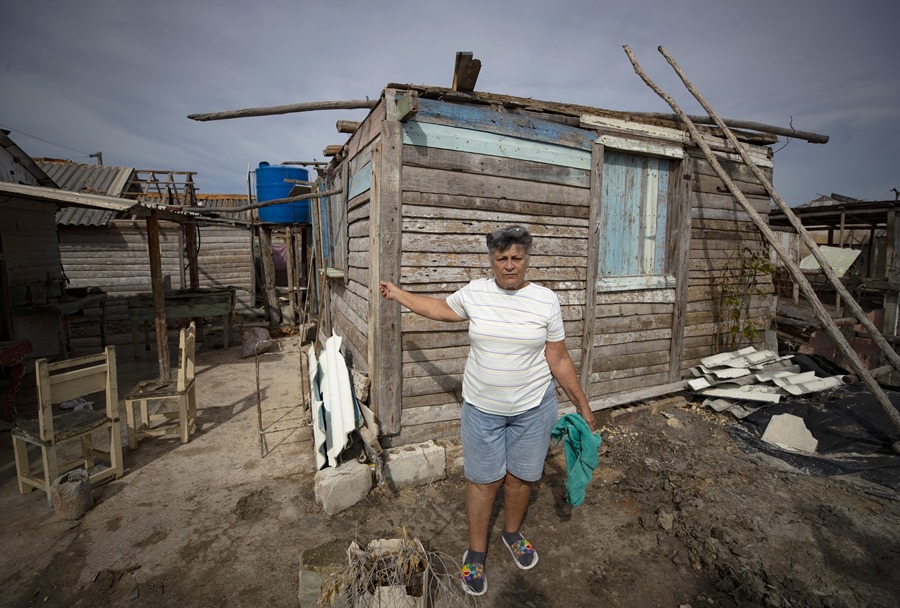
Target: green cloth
x=581 y=454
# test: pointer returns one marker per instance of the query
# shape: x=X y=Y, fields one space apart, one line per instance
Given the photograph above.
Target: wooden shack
x=633 y=231
x=108 y=250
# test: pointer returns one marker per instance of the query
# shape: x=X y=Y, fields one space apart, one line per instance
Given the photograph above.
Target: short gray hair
x=502 y=238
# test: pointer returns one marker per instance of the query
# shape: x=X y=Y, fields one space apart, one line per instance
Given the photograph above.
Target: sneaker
x=522 y=551
x=472 y=576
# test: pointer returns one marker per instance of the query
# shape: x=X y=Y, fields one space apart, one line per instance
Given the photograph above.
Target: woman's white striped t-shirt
x=507 y=372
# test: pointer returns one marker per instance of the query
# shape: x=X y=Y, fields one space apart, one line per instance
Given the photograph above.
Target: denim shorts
x=494 y=444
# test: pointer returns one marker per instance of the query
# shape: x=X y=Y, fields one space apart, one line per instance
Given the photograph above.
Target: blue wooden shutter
x=634 y=207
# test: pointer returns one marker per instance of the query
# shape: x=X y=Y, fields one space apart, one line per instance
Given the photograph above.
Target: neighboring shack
x=105 y=249
x=633 y=231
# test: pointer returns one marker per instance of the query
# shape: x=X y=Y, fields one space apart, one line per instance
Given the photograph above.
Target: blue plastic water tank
x=270 y=185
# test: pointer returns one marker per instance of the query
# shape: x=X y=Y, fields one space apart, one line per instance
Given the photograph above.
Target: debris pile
x=742 y=381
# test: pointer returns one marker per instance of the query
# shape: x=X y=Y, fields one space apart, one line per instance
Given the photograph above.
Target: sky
x=121 y=76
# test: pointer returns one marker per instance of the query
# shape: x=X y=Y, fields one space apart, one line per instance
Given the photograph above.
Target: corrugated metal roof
x=102 y=204
x=80 y=216
x=90 y=179
x=87 y=179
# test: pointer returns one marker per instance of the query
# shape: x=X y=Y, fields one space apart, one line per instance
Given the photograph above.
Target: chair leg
x=115 y=449
x=184 y=422
x=192 y=406
x=51 y=468
x=130 y=424
x=145 y=415
x=20 y=448
x=87 y=450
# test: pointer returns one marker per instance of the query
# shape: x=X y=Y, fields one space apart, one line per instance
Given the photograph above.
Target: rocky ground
x=680 y=513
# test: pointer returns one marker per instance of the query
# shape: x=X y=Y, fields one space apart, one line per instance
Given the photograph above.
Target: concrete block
x=414 y=465
x=339 y=488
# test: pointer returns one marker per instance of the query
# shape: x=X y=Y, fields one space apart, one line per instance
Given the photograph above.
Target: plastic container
x=270 y=185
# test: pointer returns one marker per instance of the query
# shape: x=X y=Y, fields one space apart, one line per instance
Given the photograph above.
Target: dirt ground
x=677 y=515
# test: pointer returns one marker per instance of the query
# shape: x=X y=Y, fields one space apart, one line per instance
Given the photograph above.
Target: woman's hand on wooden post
x=388 y=290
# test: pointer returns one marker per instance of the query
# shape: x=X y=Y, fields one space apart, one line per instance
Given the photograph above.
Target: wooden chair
x=56 y=383
x=180 y=386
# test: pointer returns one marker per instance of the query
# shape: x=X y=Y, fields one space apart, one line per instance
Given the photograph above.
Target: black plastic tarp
x=854 y=433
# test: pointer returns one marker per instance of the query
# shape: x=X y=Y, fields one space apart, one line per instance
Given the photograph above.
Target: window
x=634 y=210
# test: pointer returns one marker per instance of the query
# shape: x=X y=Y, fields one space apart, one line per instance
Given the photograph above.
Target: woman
x=517 y=349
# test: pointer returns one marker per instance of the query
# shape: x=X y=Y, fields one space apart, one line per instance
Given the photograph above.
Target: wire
x=789 y=139
x=46 y=141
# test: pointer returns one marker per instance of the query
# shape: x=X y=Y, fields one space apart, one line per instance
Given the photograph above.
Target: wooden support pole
x=680 y=238
x=291 y=263
x=323 y=288
x=849 y=300
x=807 y=289
x=311 y=106
x=159 y=295
x=590 y=281
x=190 y=249
x=273 y=308
x=277 y=201
x=385 y=349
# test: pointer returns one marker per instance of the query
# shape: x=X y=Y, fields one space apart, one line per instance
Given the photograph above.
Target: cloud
x=121 y=77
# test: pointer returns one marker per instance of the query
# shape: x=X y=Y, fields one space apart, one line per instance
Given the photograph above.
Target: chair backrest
x=187 y=346
x=64 y=380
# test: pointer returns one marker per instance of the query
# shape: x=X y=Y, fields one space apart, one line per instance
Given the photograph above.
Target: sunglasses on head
x=516 y=232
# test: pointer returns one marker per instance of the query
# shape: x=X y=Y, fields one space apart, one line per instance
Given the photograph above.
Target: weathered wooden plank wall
x=116 y=260
x=720 y=229
x=350 y=297
x=459 y=183
x=33 y=271
x=468 y=169
x=31 y=251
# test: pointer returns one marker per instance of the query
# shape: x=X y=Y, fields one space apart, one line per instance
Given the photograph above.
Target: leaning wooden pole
x=807 y=289
x=889 y=352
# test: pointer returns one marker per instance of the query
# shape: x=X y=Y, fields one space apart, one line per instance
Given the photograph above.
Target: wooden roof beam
x=347 y=126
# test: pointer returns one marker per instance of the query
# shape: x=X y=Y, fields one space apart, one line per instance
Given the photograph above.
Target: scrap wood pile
x=742 y=381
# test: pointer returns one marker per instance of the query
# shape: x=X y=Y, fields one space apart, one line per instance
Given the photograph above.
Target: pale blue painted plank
x=482 y=118
x=480 y=142
x=662 y=214
x=360 y=181
x=621 y=214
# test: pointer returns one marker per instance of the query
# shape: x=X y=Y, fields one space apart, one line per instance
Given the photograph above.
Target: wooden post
x=159 y=296
x=291 y=263
x=679 y=240
x=190 y=247
x=891 y=299
x=191 y=232
x=593 y=259
x=323 y=288
x=385 y=347
x=273 y=309
x=810 y=294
